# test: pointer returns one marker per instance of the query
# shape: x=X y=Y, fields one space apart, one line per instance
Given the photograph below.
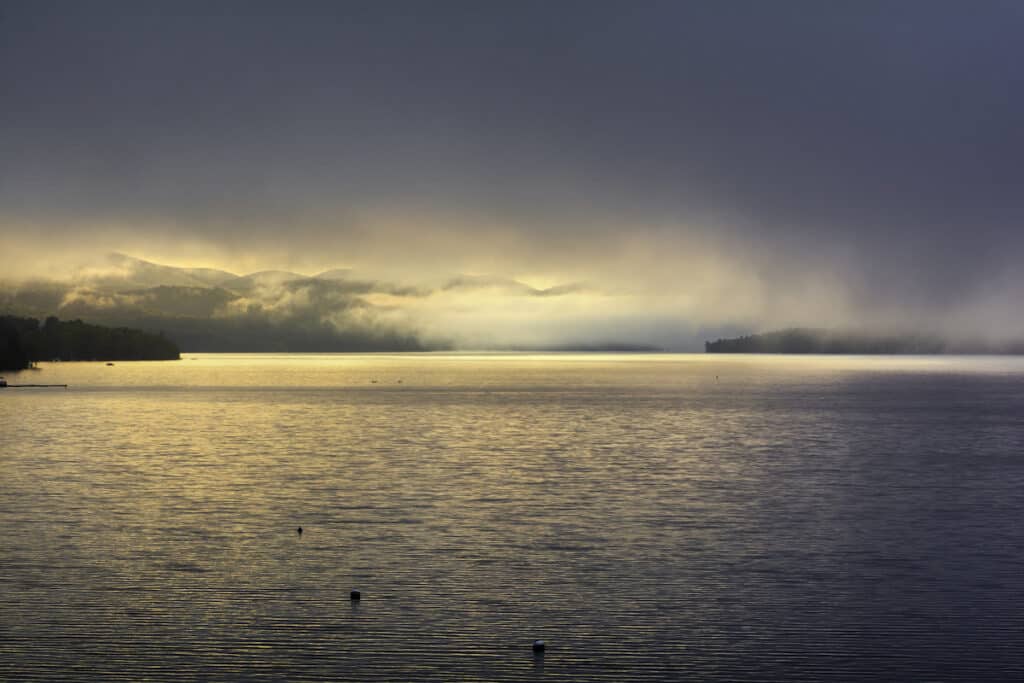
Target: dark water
x=793 y=519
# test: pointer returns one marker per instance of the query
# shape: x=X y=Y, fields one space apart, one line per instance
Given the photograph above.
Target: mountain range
x=205 y=309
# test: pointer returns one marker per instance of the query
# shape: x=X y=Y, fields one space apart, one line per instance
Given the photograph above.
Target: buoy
x=300 y=530
x=355 y=595
x=538 y=646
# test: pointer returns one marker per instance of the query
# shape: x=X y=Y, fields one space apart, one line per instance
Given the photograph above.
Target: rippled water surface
x=650 y=517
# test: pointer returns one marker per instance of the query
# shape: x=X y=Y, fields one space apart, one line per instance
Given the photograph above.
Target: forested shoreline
x=24 y=341
x=822 y=341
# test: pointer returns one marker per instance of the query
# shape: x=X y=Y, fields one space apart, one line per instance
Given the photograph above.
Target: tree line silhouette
x=808 y=340
x=811 y=340
x=24 y=341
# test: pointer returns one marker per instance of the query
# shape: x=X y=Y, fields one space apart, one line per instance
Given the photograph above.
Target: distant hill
x=508 y=285
x=174 y=302
x=209 y=276
x=335 y=274
x=264 y=278
x=823 y=341
x=24 y=341
x=204 y=309
x=119 y=271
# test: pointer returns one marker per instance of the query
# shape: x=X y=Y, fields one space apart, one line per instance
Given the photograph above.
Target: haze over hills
x=760 y=168
x=263 y=278
x=509 y=286
x=117 y=271
x=206 y=309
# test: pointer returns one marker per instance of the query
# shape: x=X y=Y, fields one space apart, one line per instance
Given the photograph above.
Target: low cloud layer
x=696 y=166
x=294 y=311
x=322 y=312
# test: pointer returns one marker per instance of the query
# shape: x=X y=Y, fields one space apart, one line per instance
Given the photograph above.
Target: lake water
x=650 y=517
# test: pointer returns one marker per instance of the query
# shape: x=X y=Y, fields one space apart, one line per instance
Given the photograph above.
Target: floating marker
x=538 y=647
x=355 y=595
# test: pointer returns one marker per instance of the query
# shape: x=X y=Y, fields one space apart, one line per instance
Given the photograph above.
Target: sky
x=698 y=166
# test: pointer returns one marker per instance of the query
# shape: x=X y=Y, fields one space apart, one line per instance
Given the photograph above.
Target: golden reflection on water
x=650 y=516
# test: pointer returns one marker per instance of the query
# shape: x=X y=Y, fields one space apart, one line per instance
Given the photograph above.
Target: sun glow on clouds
x=452 y=282
x=491 y=287
x=484 y=319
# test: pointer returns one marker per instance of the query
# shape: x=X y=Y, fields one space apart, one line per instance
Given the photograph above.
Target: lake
x=651 y=517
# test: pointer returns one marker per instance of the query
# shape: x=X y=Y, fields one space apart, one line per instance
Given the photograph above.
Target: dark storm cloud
x=878 y=142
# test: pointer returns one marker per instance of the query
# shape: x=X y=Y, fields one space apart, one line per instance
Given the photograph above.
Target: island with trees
x=24 y=341
x=822 y=341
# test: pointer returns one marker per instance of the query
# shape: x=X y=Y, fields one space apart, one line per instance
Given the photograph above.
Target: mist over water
x=656 y=169
x=652 y=517
x=603 y=175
